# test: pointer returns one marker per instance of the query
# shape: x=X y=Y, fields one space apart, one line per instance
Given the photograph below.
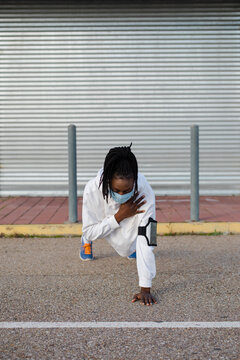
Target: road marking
x=121 y=324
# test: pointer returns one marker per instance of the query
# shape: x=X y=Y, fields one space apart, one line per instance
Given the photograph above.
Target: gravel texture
x=44 y=280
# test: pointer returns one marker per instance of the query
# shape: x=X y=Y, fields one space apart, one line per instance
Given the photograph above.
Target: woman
x=115 y=204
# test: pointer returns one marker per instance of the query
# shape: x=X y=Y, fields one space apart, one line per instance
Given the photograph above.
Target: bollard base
x=71 y=222
x=194 y=221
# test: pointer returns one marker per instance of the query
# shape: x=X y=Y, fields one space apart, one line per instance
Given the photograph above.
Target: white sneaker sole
x=85 y=259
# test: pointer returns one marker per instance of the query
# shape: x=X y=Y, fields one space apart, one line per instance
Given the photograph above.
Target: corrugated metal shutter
x=122 y=72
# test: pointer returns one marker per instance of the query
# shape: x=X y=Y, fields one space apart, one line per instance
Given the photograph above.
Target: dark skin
x=131 y=208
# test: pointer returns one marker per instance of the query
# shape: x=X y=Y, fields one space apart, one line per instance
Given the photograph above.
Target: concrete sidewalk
x=18 y=212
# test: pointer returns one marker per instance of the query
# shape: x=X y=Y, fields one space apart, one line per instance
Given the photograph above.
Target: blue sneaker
x=86 y=251
x=132 y=256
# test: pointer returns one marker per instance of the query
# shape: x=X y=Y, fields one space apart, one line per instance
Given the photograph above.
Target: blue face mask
x=121 y=199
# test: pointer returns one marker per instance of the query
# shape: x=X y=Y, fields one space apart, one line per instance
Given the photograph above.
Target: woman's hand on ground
x=130 y=208
x=145 y=297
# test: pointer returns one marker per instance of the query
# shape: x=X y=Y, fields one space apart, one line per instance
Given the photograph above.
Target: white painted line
x=122 y=324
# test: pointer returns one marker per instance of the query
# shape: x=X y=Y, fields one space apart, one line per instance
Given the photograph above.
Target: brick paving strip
x=48 y=216
x=54 y=210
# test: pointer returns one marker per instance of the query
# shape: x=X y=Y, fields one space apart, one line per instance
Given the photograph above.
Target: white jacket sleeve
x=94 y=229
x=145 y=256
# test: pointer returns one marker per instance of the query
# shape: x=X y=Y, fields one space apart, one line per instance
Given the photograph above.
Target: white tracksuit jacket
x=99 y=222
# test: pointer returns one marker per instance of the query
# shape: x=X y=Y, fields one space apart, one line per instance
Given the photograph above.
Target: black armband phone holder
x=149 y=231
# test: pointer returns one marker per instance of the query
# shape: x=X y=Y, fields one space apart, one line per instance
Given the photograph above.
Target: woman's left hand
x=145 y=297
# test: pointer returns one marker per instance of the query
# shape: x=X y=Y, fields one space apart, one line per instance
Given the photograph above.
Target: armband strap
x=142 y=230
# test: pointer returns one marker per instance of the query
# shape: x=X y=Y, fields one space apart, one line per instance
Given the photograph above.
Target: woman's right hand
x=130 y=208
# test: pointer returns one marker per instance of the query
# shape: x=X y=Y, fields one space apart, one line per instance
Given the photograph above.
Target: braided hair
x=120 y=161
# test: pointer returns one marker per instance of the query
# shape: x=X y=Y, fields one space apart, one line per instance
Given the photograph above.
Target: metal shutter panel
x=122 y=72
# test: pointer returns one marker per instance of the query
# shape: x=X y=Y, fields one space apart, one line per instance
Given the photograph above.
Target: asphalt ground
x=43 y=279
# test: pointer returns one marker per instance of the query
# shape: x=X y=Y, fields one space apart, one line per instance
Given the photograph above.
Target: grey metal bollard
x=72 y=175
x=194 y=173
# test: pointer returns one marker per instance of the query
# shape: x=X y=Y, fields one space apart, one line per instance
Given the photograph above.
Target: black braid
x=119 y=161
